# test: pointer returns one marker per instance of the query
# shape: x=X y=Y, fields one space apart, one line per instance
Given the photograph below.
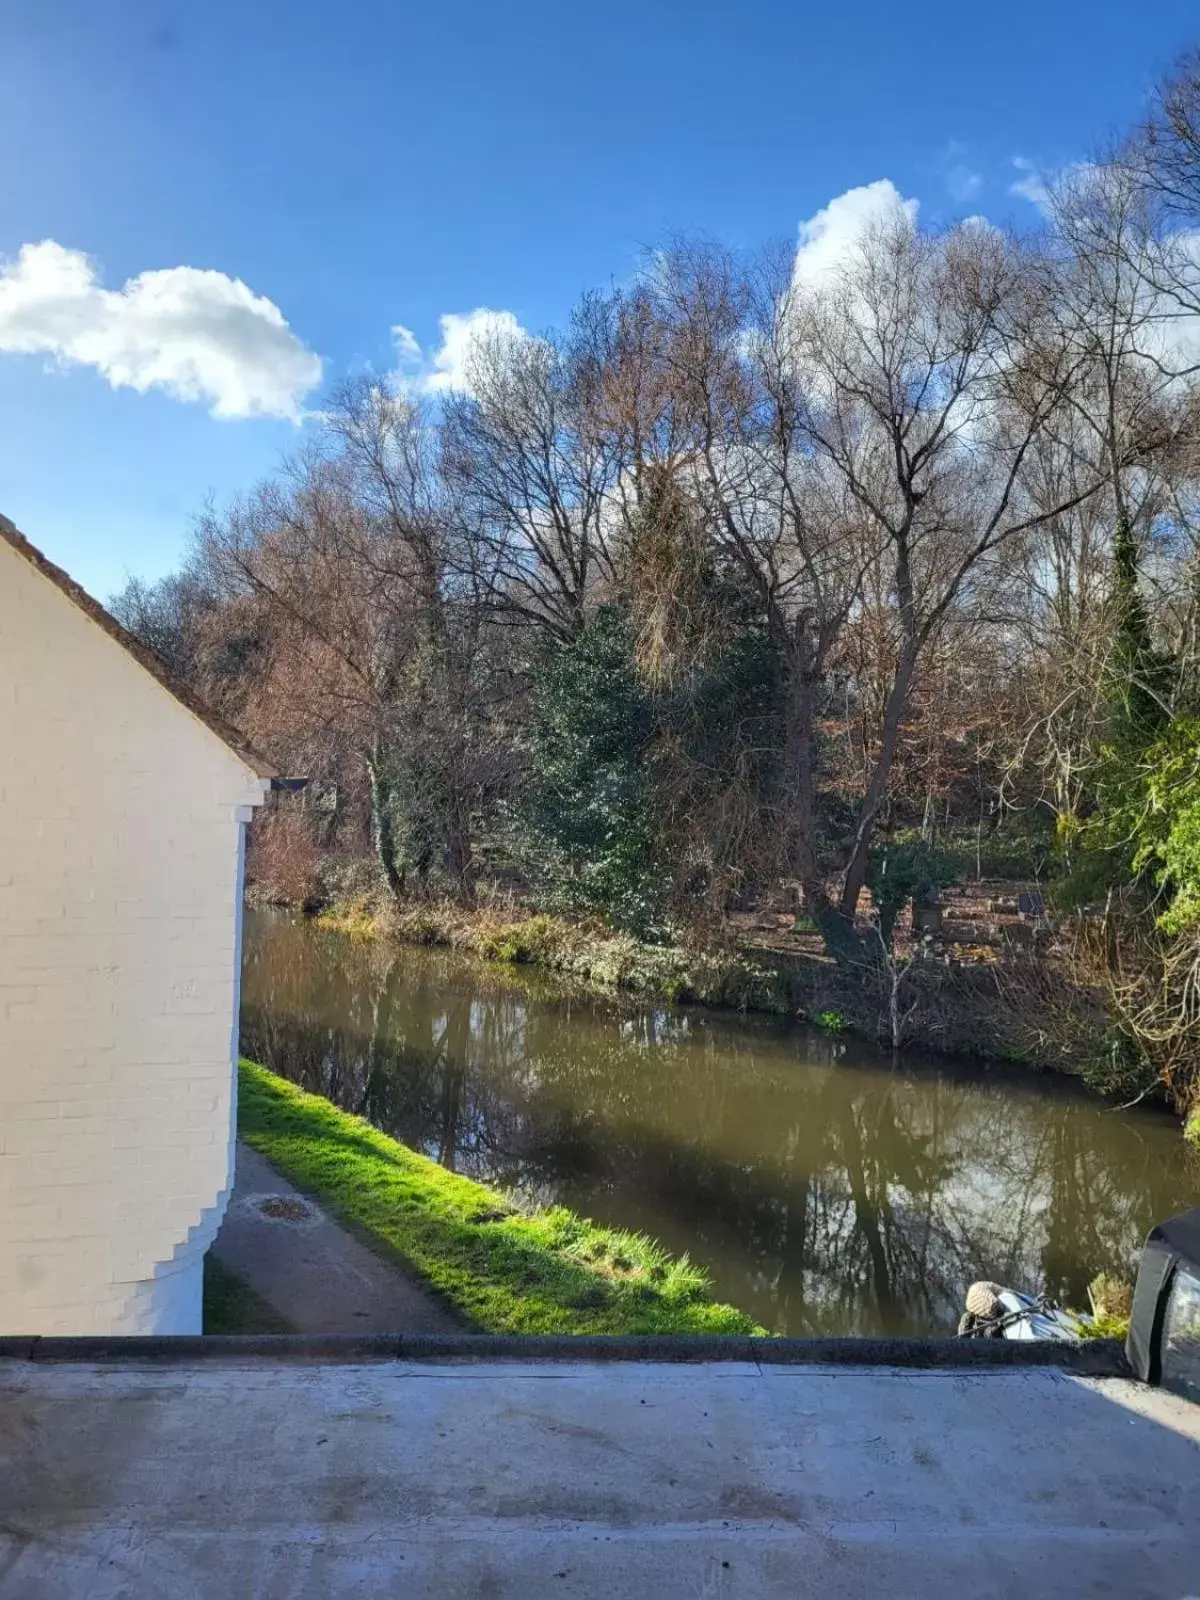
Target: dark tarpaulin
x=1171 y=1247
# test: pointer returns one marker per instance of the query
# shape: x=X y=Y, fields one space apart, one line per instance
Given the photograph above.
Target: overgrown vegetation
x=772 y=582
x=587 y=950
x=1111 y=1302
x=504 y=1268
x=586 y=832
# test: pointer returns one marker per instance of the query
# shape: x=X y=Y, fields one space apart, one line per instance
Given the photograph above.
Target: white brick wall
x=121 y=818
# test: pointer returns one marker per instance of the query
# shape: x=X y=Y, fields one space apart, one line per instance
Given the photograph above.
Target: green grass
x=232 y=1306
x=1192 y=1131
x=506 y=1270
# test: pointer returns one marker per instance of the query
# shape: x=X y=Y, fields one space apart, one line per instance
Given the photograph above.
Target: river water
x=825 y=1189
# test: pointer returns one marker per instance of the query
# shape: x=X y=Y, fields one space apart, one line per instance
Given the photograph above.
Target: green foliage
x=1140 y=853
x=1142 y=677
x=831 y=1021
x=1119 y=839
x=1148 y=826
x=1107 y=1327
x=1095 y=866
x=718 y=737
x=1166 y=829
x=1138 y=848
x=418 y=792
x=1020 y=846
x=585 y=825
x=534 y=940
x=1112 y=1305
x=899 y=873
x=506 y=1270
x=1118 y=1068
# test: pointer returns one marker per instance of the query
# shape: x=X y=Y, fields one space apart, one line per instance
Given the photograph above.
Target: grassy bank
x=232 y=1306
x=505 y=1269
x=585 y=950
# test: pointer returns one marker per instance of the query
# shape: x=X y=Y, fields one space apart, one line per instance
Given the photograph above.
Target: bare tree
x=1163 y=158
x=377 y=622
x=929 y=372
x=714 y=377
x=533 y=468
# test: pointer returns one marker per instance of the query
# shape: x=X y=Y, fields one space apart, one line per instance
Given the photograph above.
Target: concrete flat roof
x=250 y=1474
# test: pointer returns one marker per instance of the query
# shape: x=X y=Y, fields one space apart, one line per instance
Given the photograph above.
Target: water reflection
x=825 y=1191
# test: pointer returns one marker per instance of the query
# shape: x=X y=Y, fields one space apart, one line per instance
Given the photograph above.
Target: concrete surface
x=318 y=1481
x=318 y=1277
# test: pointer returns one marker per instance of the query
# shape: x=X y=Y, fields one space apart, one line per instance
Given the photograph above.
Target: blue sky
x=365 y=165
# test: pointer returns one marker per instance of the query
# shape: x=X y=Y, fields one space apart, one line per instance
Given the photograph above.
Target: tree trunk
x=837 y=931
x=800 y=784
x=383 y=833
x=842 y=940
x=896 y=974
x=855 y=875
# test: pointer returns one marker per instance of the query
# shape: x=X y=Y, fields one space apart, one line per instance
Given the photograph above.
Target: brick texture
x=121 y=821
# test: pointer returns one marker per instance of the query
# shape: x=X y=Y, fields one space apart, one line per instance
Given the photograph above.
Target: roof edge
x=1097 y=1358
x=229 y=736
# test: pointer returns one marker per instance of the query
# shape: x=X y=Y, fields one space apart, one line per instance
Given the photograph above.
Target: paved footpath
x=273 y=1479
x=318 y=1277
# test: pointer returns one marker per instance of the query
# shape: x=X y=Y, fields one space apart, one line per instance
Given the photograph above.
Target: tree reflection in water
x=825 y=1190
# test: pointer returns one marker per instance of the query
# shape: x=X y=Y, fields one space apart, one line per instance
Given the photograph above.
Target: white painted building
x=123 y=806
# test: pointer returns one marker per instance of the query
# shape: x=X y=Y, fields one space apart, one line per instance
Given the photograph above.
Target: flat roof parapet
x=1097 y=1358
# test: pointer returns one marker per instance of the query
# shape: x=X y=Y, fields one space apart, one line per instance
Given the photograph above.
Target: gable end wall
x=121 y=821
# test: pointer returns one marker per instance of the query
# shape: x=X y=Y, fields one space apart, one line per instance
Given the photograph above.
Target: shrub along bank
x=586 y=950
x=504 y=1268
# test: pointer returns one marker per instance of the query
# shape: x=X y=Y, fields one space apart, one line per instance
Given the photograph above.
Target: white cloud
x=963 y=182
x=1031 y=185
x=408 y=351
x=448 y=368
x=829 y=239
x=1171 y=334
x=197 y=335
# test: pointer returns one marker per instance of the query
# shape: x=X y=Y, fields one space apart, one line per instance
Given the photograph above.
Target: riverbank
x=1015 y=1006
x=958 y=1009
x=502 y=1268
x=586 y=951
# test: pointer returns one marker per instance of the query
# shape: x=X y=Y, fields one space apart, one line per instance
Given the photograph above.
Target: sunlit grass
x=504 y=1269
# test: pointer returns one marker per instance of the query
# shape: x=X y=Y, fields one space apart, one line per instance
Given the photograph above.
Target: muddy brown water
x=826 y=1188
